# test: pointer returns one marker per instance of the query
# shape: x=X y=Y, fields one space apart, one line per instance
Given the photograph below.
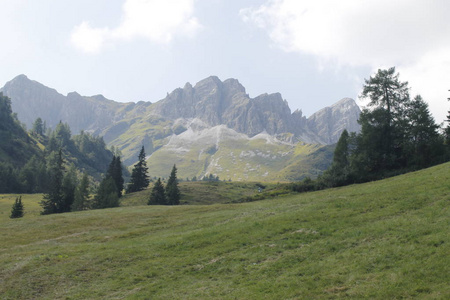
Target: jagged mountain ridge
x=216 y=103
x=211 y=100
x=31 y=99
x=243 y=124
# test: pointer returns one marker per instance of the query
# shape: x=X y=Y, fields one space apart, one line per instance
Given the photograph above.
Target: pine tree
x=157 y=196
x=107 y=194
x=338 y=173
x=17 y=209
x=81 y=194
x=38 y=127
x=68 y=190
x=115 y=171
x=385 y=123
x=423 y=137
x=139 y=178
x=52 y=202
x=447 y=130
x=172 y=190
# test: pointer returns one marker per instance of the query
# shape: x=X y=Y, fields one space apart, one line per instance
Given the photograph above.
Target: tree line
x=398 y=135
x=67 y=194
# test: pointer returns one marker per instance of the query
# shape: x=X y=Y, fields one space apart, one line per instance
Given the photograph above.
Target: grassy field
x=380 y=240
x=215 y=192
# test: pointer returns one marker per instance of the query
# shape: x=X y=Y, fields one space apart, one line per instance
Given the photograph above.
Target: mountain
x=226 y=103
x=213 y=127
x=16 y=146
x=31 y=99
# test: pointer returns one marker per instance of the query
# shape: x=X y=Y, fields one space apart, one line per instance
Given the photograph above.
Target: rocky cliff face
x=216 y=102
x=212 y=101
x=329 y=122
x=31 y=100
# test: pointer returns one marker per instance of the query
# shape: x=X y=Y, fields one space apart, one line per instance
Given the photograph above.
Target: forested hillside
x=27 y=157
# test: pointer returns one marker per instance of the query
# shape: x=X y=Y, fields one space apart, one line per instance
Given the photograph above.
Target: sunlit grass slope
x=381 y=240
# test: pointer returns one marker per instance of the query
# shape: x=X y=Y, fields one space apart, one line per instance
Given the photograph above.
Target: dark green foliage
x=16 y=147
x=38 y=128
x=447 y=130
x=68 y=190
x=397 y=135
x=9 y=179
x=338 y=173
x=424 y=145
x=210 y=177
x=81 y=194
x=306 y=185
x=34 y=176
x=115 y=172
x=107 y=194
x=53 y=199
x=157 y=196
x=172 y=190
x=139 y=178
x=384 y=124
x=17 y=209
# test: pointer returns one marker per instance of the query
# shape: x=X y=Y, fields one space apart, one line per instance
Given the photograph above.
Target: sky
x=313 y=52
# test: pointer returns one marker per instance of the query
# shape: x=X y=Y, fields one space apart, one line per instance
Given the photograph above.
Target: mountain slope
x=16 y=146
x=379 y=240
x=258 y=136
x=31 y=99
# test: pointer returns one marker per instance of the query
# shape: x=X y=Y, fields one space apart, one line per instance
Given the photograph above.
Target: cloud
x=409 y=34
x=158 y=21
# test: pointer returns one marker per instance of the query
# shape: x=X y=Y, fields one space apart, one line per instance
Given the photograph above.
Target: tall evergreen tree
x=447 y=130
x=388 y=97
x=81 y=194
x=115 y=171
x=52 y=202
x=107 y=194
x=425 y=145
x=172 y=190
x=17 y=209
x=68 y=190
x=38 y=127
x=139 y=178
x=338 y=173
x=157 y=196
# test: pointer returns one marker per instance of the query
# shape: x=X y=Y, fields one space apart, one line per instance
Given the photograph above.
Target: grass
x=380 y=240
x=205 y=192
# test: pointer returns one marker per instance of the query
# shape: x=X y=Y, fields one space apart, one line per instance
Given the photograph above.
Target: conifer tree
x=107 y=194
x=157 y=196
x=38 y=127
x=338 y=173
x=447 y=130
x=52 y=202
x=139 y=178
x=383 y=126
x=424 y=143
x=172 y=190
x=17 y=209
x=115 y=171
x=81 y=194
x=68 y=190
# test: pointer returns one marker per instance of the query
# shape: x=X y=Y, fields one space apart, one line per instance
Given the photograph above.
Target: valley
x=213 y=127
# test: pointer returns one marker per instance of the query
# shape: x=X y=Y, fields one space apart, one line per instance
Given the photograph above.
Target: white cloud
x=409 y=34
x=158 y=21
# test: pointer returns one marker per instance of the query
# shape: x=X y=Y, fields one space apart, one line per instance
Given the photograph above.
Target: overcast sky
x=313 y=52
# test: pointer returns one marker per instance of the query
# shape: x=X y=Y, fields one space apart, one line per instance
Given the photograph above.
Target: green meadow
x=388 y=239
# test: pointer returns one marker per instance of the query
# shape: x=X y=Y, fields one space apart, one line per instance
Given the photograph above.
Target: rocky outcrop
x=212 y=101
x=216 y=102
x=329 y=122
x=30 y=100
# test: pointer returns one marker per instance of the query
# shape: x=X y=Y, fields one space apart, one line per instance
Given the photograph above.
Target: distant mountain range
x=213 y=127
